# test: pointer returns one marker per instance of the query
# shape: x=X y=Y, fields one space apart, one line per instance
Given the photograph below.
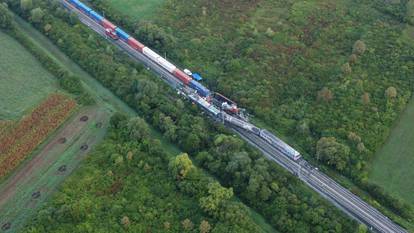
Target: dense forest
x=333 y=75
x=287 y=204
x=129 y=184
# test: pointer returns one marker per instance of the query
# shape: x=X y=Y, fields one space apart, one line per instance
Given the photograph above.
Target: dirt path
x=36 y=179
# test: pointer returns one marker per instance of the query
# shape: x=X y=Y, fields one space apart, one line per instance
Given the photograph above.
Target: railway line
x=328 y=188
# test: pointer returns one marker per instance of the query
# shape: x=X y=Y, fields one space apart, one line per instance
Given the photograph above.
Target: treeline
x=130 y=184
x=344 y=148
x=182 y=124
x=66 y=80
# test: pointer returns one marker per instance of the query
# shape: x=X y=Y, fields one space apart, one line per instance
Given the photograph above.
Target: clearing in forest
x=393 y=165
x=23 y=80
x=137 y=9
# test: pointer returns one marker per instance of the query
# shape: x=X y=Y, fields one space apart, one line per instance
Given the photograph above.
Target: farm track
x=51 y=164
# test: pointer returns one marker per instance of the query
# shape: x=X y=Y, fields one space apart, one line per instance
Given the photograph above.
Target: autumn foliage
x=27 y=134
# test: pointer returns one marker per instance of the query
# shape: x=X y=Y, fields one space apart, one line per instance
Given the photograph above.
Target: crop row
x=32 y=130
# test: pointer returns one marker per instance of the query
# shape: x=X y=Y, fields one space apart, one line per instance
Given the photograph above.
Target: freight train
x=116 y=33
x=201 y=95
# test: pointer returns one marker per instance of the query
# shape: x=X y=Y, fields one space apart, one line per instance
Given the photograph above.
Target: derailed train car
x=280 y=145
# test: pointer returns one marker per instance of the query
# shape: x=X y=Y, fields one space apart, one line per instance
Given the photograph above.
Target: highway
x=328 y=188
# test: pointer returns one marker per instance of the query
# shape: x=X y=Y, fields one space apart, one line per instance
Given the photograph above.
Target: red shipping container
x=106 y=24
x=183 y=77
x=135 y=44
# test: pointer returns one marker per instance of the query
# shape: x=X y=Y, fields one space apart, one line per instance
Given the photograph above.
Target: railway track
x=338 y=195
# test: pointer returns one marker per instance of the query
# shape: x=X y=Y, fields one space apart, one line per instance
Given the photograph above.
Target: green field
x=23 y=81
x=393 y=165
x=137 y=9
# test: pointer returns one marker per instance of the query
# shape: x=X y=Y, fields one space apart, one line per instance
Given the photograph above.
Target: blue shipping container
x=84 y=8
x=75 y=2
x=197 y=77
x=123 y=35
x=97 y=17
x=201 y=90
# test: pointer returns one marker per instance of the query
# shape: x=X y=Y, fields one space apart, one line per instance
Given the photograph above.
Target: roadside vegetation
x=331 y=77
x=285 y=199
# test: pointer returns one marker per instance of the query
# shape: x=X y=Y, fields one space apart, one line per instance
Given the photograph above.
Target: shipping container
x=84 y=8
x=197 y=77
x=166 y=65
x=106 y=24
x=123 y=35
x=201 y=90
x=74 y=2
x=135 y=44
x=97 y=17
x=182 y=76
x=151 y=54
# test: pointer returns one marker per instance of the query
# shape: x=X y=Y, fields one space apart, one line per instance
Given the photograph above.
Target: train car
x=205 y=105
x=280 y=145
x=95 y=16
x=135 y=44
x=225 y=103
x=201 y=90
x=82 y=7
x=239 y=123
x=182 y=76
x=109 y=29
x=121 y=34
x=166 y=65
x=159 y=60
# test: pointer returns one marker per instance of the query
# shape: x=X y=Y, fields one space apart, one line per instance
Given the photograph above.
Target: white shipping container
x=151 y=54
x=166 y=65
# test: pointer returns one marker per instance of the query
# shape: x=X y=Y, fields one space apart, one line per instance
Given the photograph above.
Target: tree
x=37 y=15
x=167 y=225
x=130 y=155
x=325 y=94
x=26 y=4
x=47 y=28
x=187 y=224
x=352 y=59
x=332 y=152
x=217 y=195
x=6 y=18
x=125 y=222
x=391 y=92
x=365 y=98
x=118 y=120
x=180 y=166
x=205 y=227
x=137 y=129
x=361 y=147
x=346 y=68
x=359 y=47
x=353 y=137
x=362 y=228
